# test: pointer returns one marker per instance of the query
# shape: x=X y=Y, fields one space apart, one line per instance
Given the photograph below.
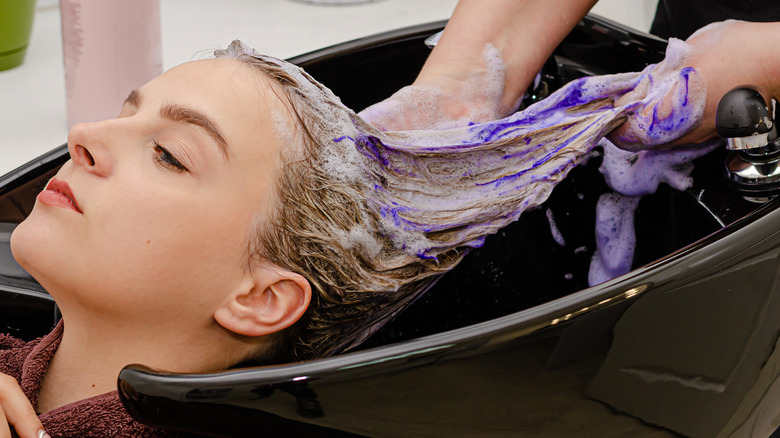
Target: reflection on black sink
x=8 y=266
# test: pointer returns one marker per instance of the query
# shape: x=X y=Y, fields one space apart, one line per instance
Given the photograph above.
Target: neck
x=70 y=378
x=91 y=356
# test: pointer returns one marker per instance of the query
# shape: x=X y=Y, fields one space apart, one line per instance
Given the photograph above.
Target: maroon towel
x=99 y=416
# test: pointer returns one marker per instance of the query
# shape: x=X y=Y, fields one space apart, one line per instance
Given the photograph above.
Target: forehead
x=237 y=97
x=216 y=82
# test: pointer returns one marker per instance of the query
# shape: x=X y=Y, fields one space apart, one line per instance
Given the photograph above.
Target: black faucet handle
x=742 y=112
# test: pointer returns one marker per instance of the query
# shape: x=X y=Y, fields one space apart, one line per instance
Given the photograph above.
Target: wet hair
x=373 y=219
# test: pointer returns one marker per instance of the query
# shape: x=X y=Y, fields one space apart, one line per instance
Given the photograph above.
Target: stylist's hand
x=724 y=56
x=476 y=72
x=441 y=101
x=482 y=65
x=16 y=412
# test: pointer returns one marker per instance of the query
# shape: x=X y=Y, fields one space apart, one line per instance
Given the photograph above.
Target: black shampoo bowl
x=513 y=342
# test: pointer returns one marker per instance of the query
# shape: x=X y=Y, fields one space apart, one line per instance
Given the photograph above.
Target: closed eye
x=167 y=159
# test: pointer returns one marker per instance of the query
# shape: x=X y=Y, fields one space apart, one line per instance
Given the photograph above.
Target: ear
x=269 y=300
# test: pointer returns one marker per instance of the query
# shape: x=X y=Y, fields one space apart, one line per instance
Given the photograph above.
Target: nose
x=88 y=145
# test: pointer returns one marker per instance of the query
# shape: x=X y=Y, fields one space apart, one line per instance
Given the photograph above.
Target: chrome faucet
x=748 y=124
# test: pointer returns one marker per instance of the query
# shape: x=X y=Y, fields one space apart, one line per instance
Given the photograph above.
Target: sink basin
x=512 y=341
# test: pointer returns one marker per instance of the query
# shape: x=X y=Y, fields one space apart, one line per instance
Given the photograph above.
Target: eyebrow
x=182 y=114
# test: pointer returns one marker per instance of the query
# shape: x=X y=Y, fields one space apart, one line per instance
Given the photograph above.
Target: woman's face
x=167 y=196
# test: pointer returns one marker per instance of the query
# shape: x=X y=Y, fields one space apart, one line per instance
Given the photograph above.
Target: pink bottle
x=110 y=47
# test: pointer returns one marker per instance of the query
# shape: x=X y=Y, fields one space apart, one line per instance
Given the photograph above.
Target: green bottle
x=16 y=17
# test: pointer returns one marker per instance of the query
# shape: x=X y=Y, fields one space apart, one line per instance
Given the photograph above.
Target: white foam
x=410 y=241
x=283 y=129
x=362 y=239
x=632 y=175
x=493 y=90
x=554 y=230
x=669 y=102
x=640 y=173
x=615 y=237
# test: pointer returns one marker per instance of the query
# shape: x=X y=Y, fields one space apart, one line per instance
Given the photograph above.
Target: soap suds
x=554 y=230
x=669 y=101
x=436 y=190
x=615 y=237
x=362 y=239
x=640 y=173
x=445 y=189
x=401 y=208
x=632 y=175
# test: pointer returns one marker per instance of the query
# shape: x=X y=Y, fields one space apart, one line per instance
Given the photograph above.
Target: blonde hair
x=372 y=219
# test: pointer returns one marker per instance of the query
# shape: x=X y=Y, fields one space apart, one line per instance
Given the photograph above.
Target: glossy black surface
x=742 y=112
x=26 y=310
x=513 y=342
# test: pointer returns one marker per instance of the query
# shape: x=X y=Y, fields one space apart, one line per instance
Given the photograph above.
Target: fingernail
x=42 y=434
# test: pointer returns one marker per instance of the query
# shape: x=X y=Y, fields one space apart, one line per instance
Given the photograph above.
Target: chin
x=39 y=249
x=23 y=243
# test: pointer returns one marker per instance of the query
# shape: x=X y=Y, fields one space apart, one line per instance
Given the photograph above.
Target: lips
x=58 y=194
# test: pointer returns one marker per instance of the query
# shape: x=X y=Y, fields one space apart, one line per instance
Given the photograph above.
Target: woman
x=115 y=236
x=237 y=212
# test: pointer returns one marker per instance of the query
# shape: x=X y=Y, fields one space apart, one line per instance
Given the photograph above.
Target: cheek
x=149 y=249
x=168 y=243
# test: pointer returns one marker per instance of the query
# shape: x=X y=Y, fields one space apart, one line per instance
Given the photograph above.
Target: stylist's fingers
x=669 y=112
x=17 y=410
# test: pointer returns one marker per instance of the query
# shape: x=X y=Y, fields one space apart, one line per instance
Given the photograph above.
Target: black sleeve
x=681 y=18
